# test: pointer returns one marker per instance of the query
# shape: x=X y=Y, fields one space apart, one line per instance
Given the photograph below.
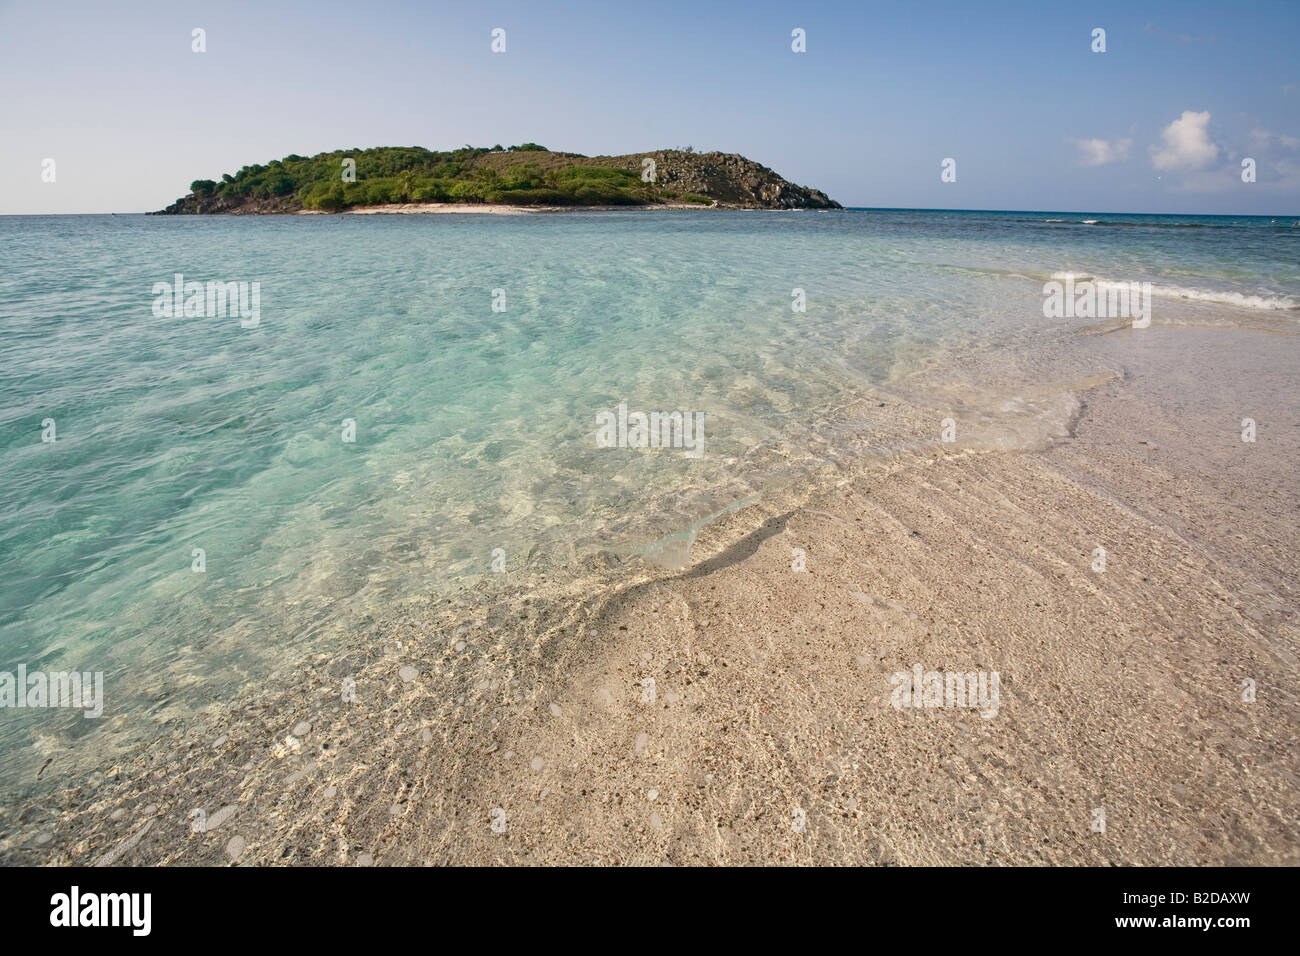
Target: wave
x=1153 y=225
x=1267 y=301
x=1240 y=299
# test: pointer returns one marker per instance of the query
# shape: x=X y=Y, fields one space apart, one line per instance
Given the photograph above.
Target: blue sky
x=1012 y=91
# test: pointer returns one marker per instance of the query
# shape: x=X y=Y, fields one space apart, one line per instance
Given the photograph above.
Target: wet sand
x=769 y=734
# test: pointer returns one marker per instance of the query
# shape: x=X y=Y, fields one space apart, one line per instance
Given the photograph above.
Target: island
x=529 y=176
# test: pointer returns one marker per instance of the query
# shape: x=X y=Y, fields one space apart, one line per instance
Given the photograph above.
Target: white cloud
x=1187 y=143
x=1263 y=140
x=1099 y=152
x=1259 y=139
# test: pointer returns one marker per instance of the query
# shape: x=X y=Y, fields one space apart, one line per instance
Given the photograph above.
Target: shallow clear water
x=475 y=429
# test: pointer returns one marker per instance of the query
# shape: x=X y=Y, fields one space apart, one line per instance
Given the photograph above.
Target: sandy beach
x=489 y=209
x=486 y=209
x=739 y=710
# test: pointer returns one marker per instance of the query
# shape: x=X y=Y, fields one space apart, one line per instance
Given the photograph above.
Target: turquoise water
x=474 y=428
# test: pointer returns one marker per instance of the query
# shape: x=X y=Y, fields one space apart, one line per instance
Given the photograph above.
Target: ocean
x=411 y=405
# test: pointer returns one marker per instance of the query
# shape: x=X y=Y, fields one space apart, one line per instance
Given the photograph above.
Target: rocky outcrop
x=229 y=205
x=729 y=179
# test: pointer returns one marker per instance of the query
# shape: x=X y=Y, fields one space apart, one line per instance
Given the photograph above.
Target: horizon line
x=1071 y=212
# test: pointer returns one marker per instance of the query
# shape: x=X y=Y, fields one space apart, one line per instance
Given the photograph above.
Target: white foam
x=1242 y=300
x=1239 y=299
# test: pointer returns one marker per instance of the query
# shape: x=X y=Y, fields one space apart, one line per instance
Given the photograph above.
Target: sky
x=1014 y=93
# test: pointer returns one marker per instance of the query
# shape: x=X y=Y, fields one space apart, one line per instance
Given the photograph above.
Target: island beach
x=488 y=209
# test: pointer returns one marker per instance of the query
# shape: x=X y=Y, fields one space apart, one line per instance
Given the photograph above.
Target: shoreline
x=770 y=687
x=489 y=209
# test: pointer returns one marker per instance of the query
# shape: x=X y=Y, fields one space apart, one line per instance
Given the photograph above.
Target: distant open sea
x=474 y=429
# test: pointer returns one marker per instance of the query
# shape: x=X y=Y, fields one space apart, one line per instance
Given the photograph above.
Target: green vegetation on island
x=526 y=175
